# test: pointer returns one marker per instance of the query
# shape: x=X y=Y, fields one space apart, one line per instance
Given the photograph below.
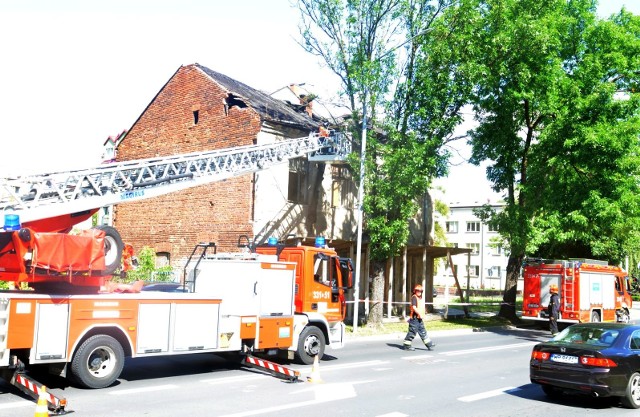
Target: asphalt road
x=468 y=373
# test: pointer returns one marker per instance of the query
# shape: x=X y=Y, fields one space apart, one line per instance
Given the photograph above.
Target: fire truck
x=284 y=298
x=589 y=290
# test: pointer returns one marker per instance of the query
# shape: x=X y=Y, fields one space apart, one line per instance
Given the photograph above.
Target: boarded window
x=343 y=189
x=298 y=179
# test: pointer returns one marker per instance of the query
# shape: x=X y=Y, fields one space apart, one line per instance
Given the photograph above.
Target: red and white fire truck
x=589 y=290
x=278 y=298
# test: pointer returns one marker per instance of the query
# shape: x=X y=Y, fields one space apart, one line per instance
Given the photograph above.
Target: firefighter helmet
x=417 y=287
x=553 y=288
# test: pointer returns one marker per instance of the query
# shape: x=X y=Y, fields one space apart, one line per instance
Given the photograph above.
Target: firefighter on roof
x=416 y=323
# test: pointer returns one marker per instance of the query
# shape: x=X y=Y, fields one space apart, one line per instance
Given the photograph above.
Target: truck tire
x=595 y=317
x=624 y=317
x=310 y=344
x=98 y=362
x=113 y=247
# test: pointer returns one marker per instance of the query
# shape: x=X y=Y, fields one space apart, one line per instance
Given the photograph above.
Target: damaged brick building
x=198 y=110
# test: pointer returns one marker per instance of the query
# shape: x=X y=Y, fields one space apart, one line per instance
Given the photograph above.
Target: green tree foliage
x=561 y=140
x=146 y=268
x=382 y=52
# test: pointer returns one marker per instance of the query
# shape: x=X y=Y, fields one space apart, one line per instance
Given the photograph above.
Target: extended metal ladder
x=48 y=195
x=568 y=287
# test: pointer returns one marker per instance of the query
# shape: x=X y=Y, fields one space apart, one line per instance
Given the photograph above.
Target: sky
x=75 y=72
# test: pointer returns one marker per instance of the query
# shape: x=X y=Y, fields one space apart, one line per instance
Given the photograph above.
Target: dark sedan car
x=598 y=359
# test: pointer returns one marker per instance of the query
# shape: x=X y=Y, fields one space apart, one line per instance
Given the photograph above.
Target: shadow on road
x=535 y=393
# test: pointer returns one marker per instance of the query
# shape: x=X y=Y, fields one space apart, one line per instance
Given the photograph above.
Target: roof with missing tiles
x=269 y=108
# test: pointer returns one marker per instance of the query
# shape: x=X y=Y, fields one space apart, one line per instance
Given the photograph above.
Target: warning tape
x=430 y=303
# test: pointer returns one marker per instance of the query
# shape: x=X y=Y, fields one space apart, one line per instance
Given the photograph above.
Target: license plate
x=564 y=358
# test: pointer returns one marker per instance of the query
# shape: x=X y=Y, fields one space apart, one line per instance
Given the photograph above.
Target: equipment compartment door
x=51 y=334
x=546 y=280
x=153 y=328
x=196 y=327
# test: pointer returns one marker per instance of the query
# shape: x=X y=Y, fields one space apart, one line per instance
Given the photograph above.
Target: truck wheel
x=631 y=397
x=113 y=247
x=595 y=317
x=98 y=362
x=623 y=317
x=310 y=345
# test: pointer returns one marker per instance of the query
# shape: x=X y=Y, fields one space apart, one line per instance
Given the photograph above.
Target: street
x=469 y=373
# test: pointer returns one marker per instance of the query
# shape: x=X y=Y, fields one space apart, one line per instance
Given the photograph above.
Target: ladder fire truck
x=273 y=299
x=589 y=290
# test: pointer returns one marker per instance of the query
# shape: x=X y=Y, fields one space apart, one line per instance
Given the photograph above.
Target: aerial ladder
x=40 y=210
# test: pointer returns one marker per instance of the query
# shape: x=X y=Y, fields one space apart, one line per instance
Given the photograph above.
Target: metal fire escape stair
x=44 y=196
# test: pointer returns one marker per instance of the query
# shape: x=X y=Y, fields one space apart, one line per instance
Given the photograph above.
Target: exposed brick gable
x=217 y=212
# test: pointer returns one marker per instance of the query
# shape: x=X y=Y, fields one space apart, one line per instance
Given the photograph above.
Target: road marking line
x=353 y=365
x=323 y=394
x=488 y=349
x=246 y=378
x=16 y=404
x=229 y=379
x=143 y=389
x=488 y=394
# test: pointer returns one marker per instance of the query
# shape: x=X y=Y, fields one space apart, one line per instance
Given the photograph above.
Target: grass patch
x=431 y=325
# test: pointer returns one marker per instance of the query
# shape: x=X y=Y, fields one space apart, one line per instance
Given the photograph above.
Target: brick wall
x=217 y=212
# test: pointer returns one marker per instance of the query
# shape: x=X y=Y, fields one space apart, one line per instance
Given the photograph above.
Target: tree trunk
x=376 y=292
x=508 y=307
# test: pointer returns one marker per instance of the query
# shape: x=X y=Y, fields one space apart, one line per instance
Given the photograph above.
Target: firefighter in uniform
x=553 y=309
x=416 y=323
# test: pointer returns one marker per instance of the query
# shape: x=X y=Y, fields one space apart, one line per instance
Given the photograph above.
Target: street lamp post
x=356 y=293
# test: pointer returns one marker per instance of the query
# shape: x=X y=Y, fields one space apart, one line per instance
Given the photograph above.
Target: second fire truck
x=589 y=290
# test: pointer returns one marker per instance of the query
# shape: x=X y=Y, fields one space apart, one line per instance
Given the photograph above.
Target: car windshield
x=588 y=335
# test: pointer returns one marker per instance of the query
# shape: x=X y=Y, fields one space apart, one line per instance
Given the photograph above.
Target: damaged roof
x=270 y=109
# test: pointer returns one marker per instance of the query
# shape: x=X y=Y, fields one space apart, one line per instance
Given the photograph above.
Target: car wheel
x=631 y=397
x=310 y=345
x=551 y=392
x=595 y=317
x=98 y=362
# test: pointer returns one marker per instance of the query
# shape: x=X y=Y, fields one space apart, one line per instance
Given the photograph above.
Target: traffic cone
x=314 y=377
x=42 y=409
